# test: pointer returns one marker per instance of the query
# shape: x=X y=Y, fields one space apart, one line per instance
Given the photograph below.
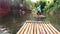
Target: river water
x=11 y=24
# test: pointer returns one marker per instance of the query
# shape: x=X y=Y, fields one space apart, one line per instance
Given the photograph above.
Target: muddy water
x=54 y=19
x=11 y=24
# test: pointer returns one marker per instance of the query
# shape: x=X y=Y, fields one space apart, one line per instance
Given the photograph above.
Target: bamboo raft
x=37 y=27
x=40 y=16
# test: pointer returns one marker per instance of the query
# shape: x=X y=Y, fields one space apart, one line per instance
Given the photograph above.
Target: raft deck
x=37 y=27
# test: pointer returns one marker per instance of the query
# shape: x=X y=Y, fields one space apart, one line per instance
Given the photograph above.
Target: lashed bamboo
x=37 y=27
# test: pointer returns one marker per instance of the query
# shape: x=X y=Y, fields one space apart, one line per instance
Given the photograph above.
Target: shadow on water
x=12 y=23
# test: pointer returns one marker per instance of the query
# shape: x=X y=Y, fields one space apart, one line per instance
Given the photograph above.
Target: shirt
x=39 y=8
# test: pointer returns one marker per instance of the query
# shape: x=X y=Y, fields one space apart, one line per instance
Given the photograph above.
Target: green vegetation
x=32 y=4
x=53 y=13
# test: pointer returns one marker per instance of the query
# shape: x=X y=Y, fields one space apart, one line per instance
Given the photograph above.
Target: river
x=11 y=24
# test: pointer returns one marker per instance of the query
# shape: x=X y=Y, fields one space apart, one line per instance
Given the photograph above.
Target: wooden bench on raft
x=37 y=27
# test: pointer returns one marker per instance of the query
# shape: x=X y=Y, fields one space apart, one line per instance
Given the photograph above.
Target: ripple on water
x=4 y=30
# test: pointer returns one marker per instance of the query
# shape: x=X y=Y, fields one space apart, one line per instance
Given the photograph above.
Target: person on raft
x=39 y=10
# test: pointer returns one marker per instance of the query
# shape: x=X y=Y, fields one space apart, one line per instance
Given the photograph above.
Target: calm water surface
x=11 y=24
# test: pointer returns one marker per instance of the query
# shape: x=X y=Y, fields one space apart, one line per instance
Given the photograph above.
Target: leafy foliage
x=32 y=4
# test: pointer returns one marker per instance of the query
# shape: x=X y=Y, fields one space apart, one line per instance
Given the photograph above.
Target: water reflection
x=54 y=19
x=11 y=24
